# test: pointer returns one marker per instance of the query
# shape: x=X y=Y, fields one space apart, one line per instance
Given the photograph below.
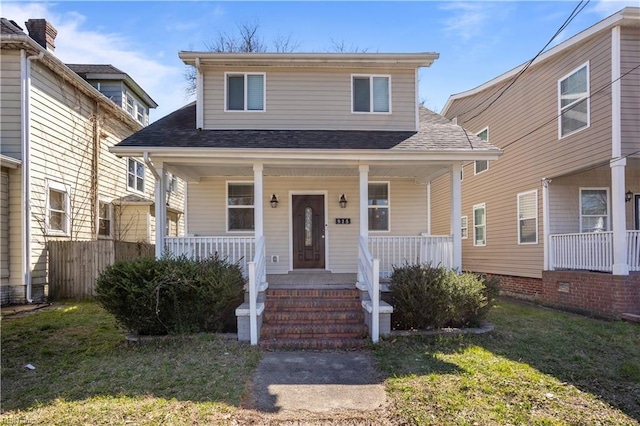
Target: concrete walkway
x=317 y=382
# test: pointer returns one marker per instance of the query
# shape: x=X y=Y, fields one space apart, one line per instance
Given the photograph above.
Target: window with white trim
x=240 y=208
x=482 y=165
x=464 y=226
x=58 y=209
x=135 y=108
x=171 y=182
x=378 y=206
x=594 y=209
x=528 y=217
x=105 y=219
x=371 y=93
x=573 y=101
x=244 y=91
x=480 y=225
x=135 y=175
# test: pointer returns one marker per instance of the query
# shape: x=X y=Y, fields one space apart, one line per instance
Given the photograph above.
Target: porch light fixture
x=628 y=196
x=274 y=201
x=343 y=201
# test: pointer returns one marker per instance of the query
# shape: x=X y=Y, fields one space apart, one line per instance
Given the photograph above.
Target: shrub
x=434 y=297
x=172 y=294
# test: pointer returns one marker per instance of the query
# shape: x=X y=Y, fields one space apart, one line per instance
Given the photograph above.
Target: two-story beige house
x=309 y=169
x=59 y=180
x=557 y=218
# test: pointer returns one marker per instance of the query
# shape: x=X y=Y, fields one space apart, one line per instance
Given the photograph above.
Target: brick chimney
x=42 y=32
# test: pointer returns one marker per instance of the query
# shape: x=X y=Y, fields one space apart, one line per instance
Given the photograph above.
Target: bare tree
x=341 y=46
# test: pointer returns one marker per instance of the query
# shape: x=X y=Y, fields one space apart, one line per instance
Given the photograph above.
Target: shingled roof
x=8 y=26
x=178 y=130
x=83 y=69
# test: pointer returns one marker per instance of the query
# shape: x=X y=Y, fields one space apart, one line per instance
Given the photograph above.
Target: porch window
x=245 y=91
x=105 y=218
x=594 y=209
x=240 y=210
x=528 y=217
x=573 y=101
x=379 y=206
x=135 y=175
x=371 y=93
x=58 y=209
x=479 y=225
x=464 y=225
x=482 y=165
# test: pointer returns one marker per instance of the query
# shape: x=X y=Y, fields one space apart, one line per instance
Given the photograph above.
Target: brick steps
x=313 y=319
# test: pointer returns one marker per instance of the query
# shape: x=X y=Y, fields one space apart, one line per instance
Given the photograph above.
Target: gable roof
x=178 y=130
x=10 y=27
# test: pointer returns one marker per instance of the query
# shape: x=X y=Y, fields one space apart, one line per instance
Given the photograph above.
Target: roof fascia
x=9 y=162
x=627 y=16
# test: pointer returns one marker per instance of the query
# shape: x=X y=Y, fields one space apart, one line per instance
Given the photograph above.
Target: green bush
x=172 y=294
x=434 y=297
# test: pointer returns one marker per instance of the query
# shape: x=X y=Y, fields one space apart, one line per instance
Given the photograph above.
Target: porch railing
x=591 y=251
x=369 y=276
x=235 y=249
x=257 y=282
x=395 y=251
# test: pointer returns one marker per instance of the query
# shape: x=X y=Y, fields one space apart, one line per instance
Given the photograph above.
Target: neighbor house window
x=594 y=209
x=105 y=219
x=240 y=211
x=482 y=165
x=129 y=105
x=528 y=217
x=135 y=175
x=371 y=93
x=573 y=101
x=245 y=92
x=464 y=225
x=479 y=225
x=171 y=182
x=379 y=206
x=58 y=206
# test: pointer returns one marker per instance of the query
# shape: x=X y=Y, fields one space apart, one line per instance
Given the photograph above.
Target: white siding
x=10 y=103
x=4 y=226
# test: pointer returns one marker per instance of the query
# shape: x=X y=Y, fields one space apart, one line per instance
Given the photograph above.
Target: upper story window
x=482 y=165
x=171 y=182
x=240 y=209
x=58 y=208
x=244 y=91
x=371 y=93
x=528 y=217
x=464 y=227
x=480 y=225
x=135 y=175
x=135 y=109
x=378 y=206
x=594 y=209
x=573 y=101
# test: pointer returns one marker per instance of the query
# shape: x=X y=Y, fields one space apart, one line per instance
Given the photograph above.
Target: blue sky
x=476 y=40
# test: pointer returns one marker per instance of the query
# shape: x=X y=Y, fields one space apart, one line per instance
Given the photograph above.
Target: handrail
x=591 y=251
x=369 y=273
x=238 y=250
x=436 y=250
x=257 y=280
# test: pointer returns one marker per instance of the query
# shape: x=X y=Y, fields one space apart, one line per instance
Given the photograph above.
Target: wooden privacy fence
x=74 y=266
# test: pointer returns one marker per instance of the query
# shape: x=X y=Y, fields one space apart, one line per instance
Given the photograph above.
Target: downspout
x=25 y=129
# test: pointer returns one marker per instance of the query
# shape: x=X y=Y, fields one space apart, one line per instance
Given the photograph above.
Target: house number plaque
x=343 y=221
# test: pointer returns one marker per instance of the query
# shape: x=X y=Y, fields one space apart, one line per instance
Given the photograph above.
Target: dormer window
x=244 y=91
x=371 y=93
x=135 y=109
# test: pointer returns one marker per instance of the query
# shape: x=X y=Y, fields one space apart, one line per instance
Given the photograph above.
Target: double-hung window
x=480 y=225
x=573 y=101
x=594 y=209
x=528 y=217
x=240 y=210
x=482 y=165
x=135 y=175
x=464 y=227
x=371 y=93
x=58 y=206
x=105 y=219
x=378 y=206
x=244 y=91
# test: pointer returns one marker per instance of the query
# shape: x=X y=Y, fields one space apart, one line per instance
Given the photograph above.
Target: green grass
x=87 y=372
x=538 y=367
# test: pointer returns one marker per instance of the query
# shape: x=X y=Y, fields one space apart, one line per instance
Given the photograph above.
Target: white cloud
x=608 y=7
x=75 y=43
x=467 y=18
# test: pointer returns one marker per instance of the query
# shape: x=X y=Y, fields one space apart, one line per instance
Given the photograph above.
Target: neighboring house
x=557 y=218
x=59 y=180
x=309 y=162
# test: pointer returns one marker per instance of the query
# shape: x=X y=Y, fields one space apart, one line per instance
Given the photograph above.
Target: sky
x=476 y=40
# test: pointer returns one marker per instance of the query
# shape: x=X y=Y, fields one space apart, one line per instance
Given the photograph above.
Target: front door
x=308 y=231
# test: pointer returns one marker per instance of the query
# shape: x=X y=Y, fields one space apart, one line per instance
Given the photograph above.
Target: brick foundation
x=519 y=287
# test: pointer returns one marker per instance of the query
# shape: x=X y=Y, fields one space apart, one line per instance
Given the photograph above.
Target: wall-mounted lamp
x=274 y=201
x=343 y=201
x=628 y=196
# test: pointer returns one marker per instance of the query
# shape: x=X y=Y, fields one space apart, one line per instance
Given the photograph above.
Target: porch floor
x=311 y=279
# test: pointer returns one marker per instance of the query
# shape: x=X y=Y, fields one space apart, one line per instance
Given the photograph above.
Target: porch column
x=160 y=208
x=618 y=217
x=258 y=204
x=456 y=214
x=546 y=232
x=364 y=201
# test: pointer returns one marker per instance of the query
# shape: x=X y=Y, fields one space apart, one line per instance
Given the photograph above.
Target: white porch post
x=546 y=232
x=160 y=208
x=456 y=214
x=258 y=204
x=364 y=209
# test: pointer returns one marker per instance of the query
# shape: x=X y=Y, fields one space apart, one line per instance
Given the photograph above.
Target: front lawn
x=538 y=367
